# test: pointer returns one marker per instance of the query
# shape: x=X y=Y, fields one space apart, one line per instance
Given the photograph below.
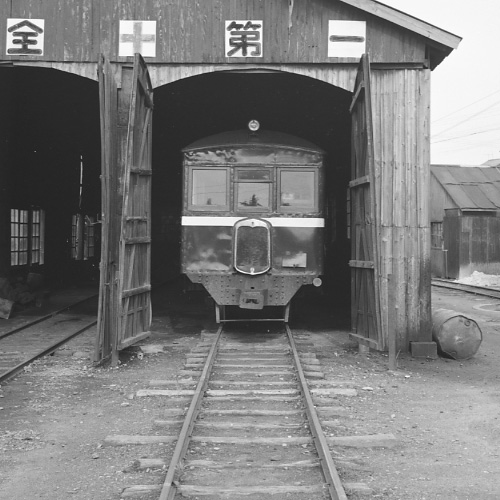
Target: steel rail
x=168 y=489
x=330 y=473
x=10 y=373
x=44 y=318
x=477 y=290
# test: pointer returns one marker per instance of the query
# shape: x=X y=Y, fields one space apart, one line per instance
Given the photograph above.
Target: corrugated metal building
x=465 y=220
x=213 y=66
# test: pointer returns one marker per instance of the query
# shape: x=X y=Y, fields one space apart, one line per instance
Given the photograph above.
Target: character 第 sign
x=243 y=38
x=25 y=37
x=346 y=38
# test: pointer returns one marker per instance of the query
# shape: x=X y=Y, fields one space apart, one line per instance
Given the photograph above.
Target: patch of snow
x=478 y=278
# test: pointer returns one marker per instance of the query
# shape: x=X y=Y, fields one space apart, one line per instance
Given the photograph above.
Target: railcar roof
x=266 y=138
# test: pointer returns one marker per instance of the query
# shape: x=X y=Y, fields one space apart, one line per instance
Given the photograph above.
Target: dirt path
x=445 y=413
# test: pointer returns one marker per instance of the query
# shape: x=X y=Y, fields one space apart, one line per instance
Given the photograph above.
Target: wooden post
x=6 y=101
x=391 y=330
x=124 y=93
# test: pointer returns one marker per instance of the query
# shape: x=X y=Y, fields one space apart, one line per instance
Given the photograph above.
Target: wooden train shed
x=465 y=220
x=92 y=133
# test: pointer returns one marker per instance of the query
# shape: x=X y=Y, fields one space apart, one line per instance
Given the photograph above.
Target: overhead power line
x=467 y=119
x=466 y=135
x=465 y=107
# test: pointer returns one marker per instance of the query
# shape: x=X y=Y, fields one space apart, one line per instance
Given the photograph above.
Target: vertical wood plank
x=405 y=231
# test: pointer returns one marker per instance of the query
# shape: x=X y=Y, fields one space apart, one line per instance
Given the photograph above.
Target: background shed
x=465 y=220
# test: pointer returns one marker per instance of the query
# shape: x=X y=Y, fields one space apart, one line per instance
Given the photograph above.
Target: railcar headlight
x=317 y=282
x=253 y=125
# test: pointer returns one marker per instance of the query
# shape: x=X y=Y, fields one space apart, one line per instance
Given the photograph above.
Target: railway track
x=41 y=336
x=477 y=290
x=246 y=417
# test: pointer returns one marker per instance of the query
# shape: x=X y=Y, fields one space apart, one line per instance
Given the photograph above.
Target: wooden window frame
x=27 y=237
x=82 y=237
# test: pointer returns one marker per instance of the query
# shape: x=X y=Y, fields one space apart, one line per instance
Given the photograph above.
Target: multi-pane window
x=37 y=236
x=253 y=190
x=82 y=237
x=437 y=240
x=19 y=227
x=89 y=244
x=27 y=230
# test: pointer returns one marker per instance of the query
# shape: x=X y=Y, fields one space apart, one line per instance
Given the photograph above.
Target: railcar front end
x=252 y=224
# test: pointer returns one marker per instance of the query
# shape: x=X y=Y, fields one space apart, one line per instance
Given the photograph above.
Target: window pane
x=254 y=175
x=209 y=187
x=297 y=190
x=253 y=195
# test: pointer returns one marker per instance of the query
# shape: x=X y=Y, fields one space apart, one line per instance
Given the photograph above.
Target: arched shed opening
x=196 y=107
x=50 y=176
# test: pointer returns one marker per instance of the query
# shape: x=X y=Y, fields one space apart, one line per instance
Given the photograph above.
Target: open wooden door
x=124 y=315
x=365 y=308
x=134 y=284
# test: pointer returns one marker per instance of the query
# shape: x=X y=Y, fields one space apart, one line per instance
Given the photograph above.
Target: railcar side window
x=297 y=191
x=209 y=188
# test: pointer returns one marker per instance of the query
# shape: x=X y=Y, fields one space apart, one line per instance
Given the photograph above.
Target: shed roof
x=471 y=188
x=492 y=163
x=441 y=42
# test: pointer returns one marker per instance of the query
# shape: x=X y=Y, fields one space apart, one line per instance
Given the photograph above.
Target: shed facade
x=298 y=65
x=465 y=220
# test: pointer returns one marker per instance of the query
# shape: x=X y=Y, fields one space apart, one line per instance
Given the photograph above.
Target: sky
x=465 y=87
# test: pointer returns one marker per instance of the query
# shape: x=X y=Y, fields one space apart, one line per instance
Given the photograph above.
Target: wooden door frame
x=362 y=94
x=117 y=113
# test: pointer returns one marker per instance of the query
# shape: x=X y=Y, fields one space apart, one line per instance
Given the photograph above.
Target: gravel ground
x=444 y=413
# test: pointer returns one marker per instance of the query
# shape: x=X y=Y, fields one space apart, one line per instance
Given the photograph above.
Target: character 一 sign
x=346 y=38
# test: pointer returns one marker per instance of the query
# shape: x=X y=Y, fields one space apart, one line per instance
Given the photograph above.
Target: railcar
x=252 y=220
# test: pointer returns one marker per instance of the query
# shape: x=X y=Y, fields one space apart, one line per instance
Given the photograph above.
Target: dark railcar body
x=252 y=225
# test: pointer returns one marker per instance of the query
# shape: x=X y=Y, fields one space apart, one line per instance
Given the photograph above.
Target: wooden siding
x=342 y=76
x=401 y=109
x=190 y=31
x=472 y=243
x=440 y=201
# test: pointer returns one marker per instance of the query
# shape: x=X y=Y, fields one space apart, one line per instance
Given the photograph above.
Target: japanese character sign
x=346 y=38
x=244 y=38
x=25 y=37
x=137 y=36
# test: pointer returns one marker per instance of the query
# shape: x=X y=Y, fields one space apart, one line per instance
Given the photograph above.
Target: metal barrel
x=457 y=336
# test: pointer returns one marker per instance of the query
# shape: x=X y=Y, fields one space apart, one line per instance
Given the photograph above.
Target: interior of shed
x=50 y=173
x=51 y=176
x=196 y=107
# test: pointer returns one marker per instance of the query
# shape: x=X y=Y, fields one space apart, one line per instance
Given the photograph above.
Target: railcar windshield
x=209 y=188
x=253 y=190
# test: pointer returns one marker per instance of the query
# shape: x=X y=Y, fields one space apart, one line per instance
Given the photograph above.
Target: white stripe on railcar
x=275 y=221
